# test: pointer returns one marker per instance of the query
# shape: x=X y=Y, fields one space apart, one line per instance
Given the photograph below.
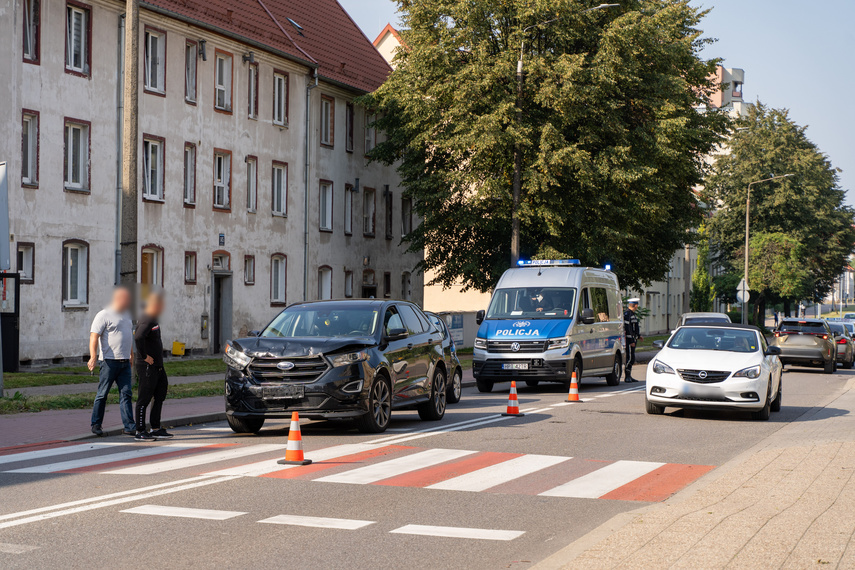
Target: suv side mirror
x=587 y=316
x=254 y=333
x=659 y=343
x=479 y=317
x=773 y=351
x=397 y=334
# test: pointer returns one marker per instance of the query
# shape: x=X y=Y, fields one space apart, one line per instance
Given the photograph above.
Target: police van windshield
x=532 y=303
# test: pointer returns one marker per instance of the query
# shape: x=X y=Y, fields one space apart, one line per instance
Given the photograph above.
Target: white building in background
x=250 y=146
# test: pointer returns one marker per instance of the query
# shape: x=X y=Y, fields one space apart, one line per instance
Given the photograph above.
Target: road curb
x=169 y=422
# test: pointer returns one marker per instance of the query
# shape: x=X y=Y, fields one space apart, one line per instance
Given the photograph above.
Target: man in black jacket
x=152 y=377
x=633 y=335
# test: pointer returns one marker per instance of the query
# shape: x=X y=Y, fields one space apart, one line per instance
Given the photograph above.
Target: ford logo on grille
x=521 y=324
x=515 y=346
x=285 y=365
x=702 y=374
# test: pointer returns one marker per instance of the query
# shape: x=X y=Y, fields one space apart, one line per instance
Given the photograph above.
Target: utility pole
x=130 y=141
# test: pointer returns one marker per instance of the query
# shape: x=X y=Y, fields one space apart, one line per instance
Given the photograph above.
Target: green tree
x=611 y=139
x=702 y=294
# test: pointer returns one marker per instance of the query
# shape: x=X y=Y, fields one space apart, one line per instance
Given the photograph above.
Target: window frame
x=252 y=159
x=349 y=116
x=330 y=206
x=287 y=97
x=276 y=302
x=32 y=147
x=369 y=130
x=252 y=91
x=228 y=193
x=348 y=282
x=330 y=141
x=406 y=221
x=407 y=286
x=149 y=31
x=190 y=203
x=348 y=209
x=159 y=256
x=387 y=284
x=248 y=258
x=87 y=162
x=389 y=212
x=222 y=54
x=322 y=269
x=161 y=143
x=373 y=232
x=277 y=164
x=35 y=12
x=32 y=276
x=86 y=70
x=65 y=291
x=187 y=98
x=195 y=257
x=222 y=253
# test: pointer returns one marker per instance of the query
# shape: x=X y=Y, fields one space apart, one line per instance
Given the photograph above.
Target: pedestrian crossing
x=376 y=463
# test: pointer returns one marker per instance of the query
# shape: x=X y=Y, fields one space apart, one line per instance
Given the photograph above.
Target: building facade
x=254 y=187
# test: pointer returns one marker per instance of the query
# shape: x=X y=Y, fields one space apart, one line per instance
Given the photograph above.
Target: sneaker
x=143 y=436
x=96 y=429
x=161 y=434
x=131 y=432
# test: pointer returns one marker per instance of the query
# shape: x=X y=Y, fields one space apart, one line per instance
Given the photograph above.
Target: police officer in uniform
x=633 y=335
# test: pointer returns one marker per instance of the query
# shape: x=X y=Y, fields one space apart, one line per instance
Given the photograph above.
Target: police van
x=547 y=319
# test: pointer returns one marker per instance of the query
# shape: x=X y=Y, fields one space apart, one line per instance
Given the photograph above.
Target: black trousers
x=153 y=384
x=630 y=358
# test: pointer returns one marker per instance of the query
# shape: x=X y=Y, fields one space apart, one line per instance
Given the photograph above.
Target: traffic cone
x=294 y=452
x=513 y=403
x=573 y=394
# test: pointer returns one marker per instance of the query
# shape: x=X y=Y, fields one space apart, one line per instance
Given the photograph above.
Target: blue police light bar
x=547 y=262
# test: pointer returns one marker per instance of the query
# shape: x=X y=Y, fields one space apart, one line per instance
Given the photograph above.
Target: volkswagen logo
x=521 y=324
x=285 y=365
x=515 y=346
x=702 y=374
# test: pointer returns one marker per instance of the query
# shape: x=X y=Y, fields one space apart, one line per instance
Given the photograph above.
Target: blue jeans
x=118 y=371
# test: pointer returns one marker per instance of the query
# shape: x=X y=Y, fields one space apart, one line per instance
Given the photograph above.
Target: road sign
x=742 y=291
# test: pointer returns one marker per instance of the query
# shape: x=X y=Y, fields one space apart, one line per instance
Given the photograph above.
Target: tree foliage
x=612 y=142
x=702 y=295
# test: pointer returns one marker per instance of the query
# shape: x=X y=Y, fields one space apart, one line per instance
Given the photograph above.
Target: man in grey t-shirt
x=111 y=339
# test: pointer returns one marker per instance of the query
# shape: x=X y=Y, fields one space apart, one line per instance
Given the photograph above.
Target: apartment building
x=254 y=187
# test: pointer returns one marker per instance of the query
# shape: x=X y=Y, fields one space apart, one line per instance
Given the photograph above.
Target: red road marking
x=167 y=455
x=431 y=475
x=36 y=446
x=308 y=471
x=659 y=484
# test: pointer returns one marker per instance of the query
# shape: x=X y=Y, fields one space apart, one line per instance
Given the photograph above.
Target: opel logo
x=515 y=346
x=521 y=324
x=285 y=365
x=702 y=374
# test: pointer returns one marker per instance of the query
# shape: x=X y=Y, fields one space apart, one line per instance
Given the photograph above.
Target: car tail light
x=841 y=341
x=825 y=337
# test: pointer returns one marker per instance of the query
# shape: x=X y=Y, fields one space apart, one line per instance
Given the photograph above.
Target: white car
x=715 y=366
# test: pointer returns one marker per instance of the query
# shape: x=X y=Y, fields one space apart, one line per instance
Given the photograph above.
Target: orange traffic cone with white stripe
x=294 y=451
x=513 y=403
x=573 y=394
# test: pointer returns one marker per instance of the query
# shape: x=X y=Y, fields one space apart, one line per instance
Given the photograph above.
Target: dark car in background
x=455 y=385
x=845 y=344
x=347 y=359
x=806 y=342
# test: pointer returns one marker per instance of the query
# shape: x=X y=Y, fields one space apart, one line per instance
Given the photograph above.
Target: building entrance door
x=221 y=310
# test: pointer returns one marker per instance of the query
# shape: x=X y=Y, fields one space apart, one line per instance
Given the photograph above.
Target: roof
x=721 y=325
x=388 y=30
x=329 y=40
x=801 y=320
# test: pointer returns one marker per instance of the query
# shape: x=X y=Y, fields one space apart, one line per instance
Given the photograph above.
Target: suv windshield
x=322 y=320
x=532 y=303
x=714 y=338
x=814 y=327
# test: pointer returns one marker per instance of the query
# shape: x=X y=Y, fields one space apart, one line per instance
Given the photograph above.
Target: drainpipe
x=309 y=88
x=120 y=111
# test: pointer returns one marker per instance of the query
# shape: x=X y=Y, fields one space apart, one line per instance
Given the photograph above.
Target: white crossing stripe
x=108 y=458
x=42 y=453
x=459 y=532
x=183 y=512
x=215 y=429
x=318 y=522
x=602 y=481
x=499 y=473
x=270 y=465
x=561 y=404
x=197 y=459
x=394 y=467
x=9 y=548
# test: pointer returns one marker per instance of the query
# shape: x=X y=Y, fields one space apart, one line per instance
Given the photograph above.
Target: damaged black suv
x=356 y=359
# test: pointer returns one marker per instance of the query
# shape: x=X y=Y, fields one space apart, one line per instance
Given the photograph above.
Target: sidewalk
x=92 y=387
x=789 y=502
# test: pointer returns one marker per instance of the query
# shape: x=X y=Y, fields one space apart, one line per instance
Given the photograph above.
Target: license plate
x=283 y=392
x=515 y=366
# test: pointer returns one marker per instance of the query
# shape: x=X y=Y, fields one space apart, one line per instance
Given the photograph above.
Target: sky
x=796 y=55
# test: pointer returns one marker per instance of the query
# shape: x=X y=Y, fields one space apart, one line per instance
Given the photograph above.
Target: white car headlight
x=751 y=372
x=235 y=358
x=562 y=342
x=349 y=358
x=660 y=367
x=480 y=342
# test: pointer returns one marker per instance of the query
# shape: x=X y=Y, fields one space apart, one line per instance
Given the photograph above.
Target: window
x=189 y=173
x=411 y=319
x=406 y=286
x=152 y=168
x=370 y=138
x=30 y=149
x=280 y=189
x=387 y=284
x=75 y=272
x=280 y=98
x=191 y=54
x=252 y=91
x=348 y=209
x=249 y=270
x=31 y=30
x=326 y=206
x=76 y=155
x=278 y=265
x=368 y=206
x=221 y=261
x=223 y=82
x=151 y=268
x=406 y=216
x=251 y=183
x=348 y=127
x=600 y=303
x=189 y=267
x=222 y=179
x=26 y=261
x=324 y=282
x=348 y=284
x=327 y=121
x=387 y=198
x=155 y=60
x=77 y=38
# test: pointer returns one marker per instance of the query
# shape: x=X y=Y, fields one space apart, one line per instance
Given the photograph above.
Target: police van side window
x=584 y=302
x=600 y=303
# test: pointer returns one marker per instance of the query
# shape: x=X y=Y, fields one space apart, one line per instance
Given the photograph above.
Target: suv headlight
x=752 y=372
x=480 y=342
x=235 y=358
x=660 y=367
x=349 y=358
x=562 y=342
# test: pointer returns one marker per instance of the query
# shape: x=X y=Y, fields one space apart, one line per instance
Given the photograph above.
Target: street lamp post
x=517 y=182
x=747 y=206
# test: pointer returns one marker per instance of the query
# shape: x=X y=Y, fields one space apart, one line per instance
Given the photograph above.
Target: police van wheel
x=577 y=368
x=532 y=383
x=613 y=379
x=484 y=386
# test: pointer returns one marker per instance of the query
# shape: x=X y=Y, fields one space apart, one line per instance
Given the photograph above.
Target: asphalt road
x=514 y=490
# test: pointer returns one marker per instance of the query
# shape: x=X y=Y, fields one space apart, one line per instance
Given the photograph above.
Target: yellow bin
x=177 y=349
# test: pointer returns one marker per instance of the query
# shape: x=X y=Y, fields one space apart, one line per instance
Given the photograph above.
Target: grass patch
x=647 y=341
x=19 y=403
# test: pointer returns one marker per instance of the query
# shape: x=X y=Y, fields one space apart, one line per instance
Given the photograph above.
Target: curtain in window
x=190 y=72
x=147 y=168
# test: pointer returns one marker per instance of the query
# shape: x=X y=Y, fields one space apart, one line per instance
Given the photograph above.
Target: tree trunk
x=786 y=307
